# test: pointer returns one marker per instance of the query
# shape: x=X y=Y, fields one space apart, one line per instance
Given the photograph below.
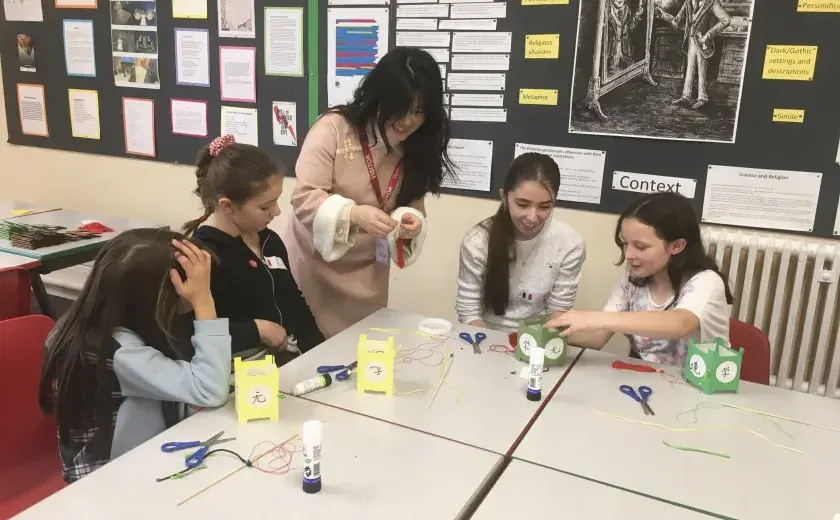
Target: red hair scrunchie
x=220 y=143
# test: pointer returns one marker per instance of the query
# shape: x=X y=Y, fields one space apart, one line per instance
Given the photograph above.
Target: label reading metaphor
x=537 y=96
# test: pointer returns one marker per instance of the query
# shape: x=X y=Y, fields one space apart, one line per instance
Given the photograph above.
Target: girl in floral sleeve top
x=672 y=290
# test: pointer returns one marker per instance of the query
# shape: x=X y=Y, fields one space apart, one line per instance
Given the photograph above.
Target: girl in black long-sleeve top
x=239 y=186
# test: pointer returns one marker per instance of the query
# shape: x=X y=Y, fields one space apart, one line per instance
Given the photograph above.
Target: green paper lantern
x=713 y=367
x=532 y=333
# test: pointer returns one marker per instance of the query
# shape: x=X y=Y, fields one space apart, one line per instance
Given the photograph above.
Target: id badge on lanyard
x=382 y=250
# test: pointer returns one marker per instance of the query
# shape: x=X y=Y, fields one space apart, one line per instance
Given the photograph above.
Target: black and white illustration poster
x=660 y=69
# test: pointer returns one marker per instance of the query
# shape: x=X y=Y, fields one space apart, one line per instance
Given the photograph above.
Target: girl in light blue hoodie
x=118 y=369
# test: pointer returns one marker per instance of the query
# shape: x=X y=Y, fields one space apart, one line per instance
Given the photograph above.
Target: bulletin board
x=642 y=132
x=759 y=142
x=50 y=71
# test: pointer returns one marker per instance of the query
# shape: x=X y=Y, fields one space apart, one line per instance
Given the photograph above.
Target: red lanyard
x=374 y=182
x=395 y=177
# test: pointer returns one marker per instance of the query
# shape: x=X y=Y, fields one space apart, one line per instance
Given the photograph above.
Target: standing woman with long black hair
x=362 y=174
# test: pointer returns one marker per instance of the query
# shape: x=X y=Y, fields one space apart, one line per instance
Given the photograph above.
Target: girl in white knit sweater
x=521 y=262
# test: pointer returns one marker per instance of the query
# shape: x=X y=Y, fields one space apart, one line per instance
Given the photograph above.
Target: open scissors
x=203 y=447
x=344 y=371
x=641 y=397
x=479 y=337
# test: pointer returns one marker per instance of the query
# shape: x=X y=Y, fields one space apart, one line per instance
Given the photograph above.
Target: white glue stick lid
x=537 y=355
x=311 y=433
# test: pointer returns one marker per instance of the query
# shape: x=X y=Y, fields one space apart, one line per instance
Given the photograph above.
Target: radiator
x=786 y=287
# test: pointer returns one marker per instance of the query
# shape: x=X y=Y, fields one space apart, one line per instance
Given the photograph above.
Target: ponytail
x=202 y=168
x=501 y=252
x=192 y=226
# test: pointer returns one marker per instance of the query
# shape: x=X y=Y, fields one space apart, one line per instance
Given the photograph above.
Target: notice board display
x=156 y=80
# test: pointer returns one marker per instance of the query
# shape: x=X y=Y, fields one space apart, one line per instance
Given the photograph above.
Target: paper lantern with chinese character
x=532 y=333
x=713 y=366
x=375 y=372
x=257 y=386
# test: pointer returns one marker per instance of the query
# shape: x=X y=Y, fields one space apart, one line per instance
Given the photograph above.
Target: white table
x=9 y=261
x=758 y=481
x=371 y=470
x=64 y=255
x=527 y=490
x=486 y=407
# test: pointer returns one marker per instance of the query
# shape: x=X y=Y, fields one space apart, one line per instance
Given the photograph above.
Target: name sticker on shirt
x=383 y=253
x=274 y=262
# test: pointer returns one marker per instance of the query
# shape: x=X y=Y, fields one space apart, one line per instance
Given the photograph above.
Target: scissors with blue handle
x=641 y=397
x=344 y=371
x=203 y=447
x=479 y=337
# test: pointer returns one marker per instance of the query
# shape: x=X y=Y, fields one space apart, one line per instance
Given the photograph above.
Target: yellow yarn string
x=767 y=414
x=441 y=371
x=708 y=428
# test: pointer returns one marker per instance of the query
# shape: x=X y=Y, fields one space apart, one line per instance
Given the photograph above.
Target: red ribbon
x=392 y=185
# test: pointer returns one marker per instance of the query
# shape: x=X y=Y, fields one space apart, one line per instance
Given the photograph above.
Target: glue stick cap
x=311 y=433
x=537 y=355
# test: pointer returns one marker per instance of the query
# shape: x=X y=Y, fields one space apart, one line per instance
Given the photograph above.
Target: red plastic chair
x=755 y=366
x=30 y=468
x=14 y=294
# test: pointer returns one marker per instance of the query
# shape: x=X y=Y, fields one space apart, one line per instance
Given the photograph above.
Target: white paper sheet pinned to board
x=483 y=115
x=423 y=11
x=478 y=100
x=483 y=10
x=467 y=25
x=440 y=55
x=473 y=160
x=475 y=81
x=480 y=61
x=481 y=42
x=761 y=198
x=417 y=24
x=423 y=39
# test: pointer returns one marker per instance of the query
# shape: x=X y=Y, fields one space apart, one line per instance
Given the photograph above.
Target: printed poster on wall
x=473 y=161
x=761 y=198
x=619 y=89
x=236 y=18
x=26 y=52
x=134 y=43
x=357 y=38
x=23 y=10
